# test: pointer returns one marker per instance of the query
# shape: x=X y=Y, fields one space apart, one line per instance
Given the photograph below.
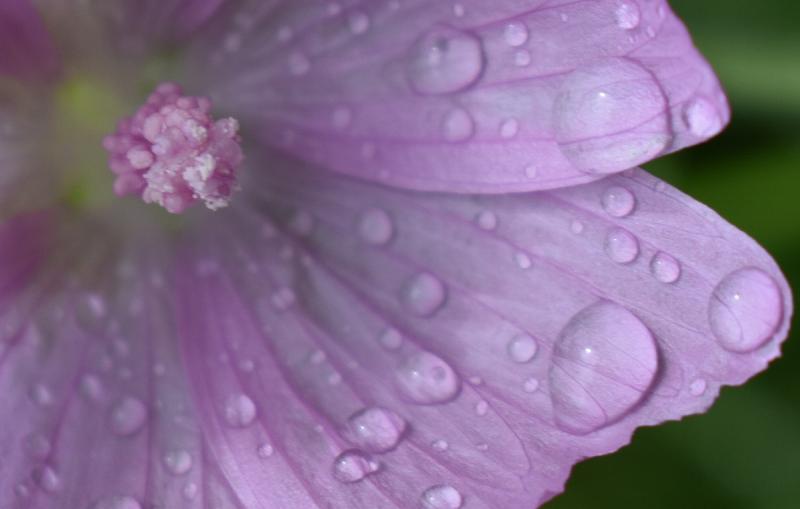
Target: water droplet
x=516 y=34
x=358 y=22
x=458 y=125
x=353 y=466
x=702 y=118
x=745 y=310
x=283 y=298
x=119 y=502
x=627 y=15
x=522 y=348
x=444 y=60
x=427 y=379
x=618 y=201
x=90 y=312
x=522 y=58
x=42 y=395
x=481 y=408
x=375 y=227
x=240 y=411
x=128 y=416
x=610 y=116
x=530 y=385
x=375 y=429
x=37 y=446
x=604 y=362
x=621 y=246
x=522 y=260
x=317 y=357
x=46 y=478
x=424 y=294
x=576 y=227
x=178 y=462
x=265 y=450
x=190 y=491
x=442 y=497
x=440 y=445
x=665 y=268
x=509 y=128
x=391 y=339
x=698 y=387
x=487 y=220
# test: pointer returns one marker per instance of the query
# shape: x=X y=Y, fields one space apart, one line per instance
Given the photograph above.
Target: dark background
x=744 y=453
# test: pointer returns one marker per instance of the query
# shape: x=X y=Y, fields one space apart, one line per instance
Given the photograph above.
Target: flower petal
x=518 y=95
x=485 y=344
x=27 y=51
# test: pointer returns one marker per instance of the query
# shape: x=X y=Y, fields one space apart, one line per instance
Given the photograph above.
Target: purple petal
x=514 y=95
x=487 y=343
x=27 y=50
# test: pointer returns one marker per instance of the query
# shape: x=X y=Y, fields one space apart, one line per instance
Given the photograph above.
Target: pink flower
x=443 y=280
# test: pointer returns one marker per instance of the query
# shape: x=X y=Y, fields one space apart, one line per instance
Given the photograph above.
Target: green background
x=745 y=453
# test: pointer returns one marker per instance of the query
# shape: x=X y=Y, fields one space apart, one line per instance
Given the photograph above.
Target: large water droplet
x=442 y=497
x=375 y=429
x=458 y=125
x=240 y=411
x=627 y=15
x=428 y=379
x=178 y=462
x=745 y=310
x=375 y=227
x=665 y=268
x=522 y=348
x=621 y=246
x=119 y=502
x=610 y=116
x=424 y=294
x=128 y=416
x=618 y=201
x=444 y=60
x=516 y=34
x=353 y=466
x=604 y=363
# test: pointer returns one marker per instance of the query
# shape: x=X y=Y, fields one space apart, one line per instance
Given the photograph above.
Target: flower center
x=173 y=153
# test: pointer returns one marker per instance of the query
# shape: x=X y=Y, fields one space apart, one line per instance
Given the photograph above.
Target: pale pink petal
x=514 y=95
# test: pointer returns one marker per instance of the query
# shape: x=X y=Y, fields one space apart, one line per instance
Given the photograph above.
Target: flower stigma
x=173 y=153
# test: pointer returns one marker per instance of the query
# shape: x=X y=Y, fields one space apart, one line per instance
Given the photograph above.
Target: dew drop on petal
x=240 y=411
x=440 y=445
x=427 y=379
x=375 y=429
x=375 y=227
x=190 y=491
x=604 y=363
x=621 y=246
x=516 y=34
x=531 y=385
x=487 y=220
x=265 y=450
x=627 y=15
x=458 y=125
x=442 y=497
x=702 y=118
x=47 y=479
x=618 y=201
x=745 y=310
x=358 y=22
x=522 y=58
x=522 y=260
x=444 y=60
x=698 y=387
x=178 y=462
x=481 y=408
x=509 y=128
x=128 y=416
x=424 y=294
x=353 y=466
x=522 y=348
x=665 y=268
x=391 y=339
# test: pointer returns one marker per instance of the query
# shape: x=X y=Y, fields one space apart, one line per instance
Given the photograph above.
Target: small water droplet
x=358 y=22
x=424 y=294
x=427 y=379
x=47 y=479
x=442 y=497
x=118 y=502
x=440 y=445
x=522 y=58
x=702 y=118
x=391 y=339
x=283 y=298
x=509 y=128
x=576 y=227
x=90 y=312
x=42 y=395
x=240 y=411
x=522 y=260
x=618 y=201
x=445 y=60
x=487 y=220
x=265 y=450
x=190 y=491
x=522 y=348
x=516 y=34
x=375 y=227
x=604 y=363
x=375 y=429
x=627 y=15
x=458 y=125
x=128 y=416
x=481 y=408
x=621 y=246
x=530 y=385
x=178 y=462
x=745 y=310
x=665 y=268
x=353 y=466
x=698 y=387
